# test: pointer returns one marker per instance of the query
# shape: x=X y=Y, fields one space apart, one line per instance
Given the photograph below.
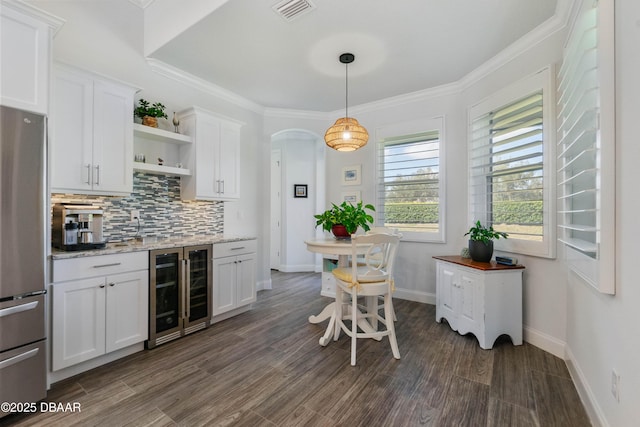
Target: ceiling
x=400 y=47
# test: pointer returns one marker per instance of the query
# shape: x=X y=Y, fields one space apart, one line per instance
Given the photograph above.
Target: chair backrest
x=384 y=230
x=379 y=257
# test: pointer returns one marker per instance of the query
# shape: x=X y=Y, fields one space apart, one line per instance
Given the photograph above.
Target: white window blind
x=506 y=168
x=409 y=184
x=586 y=148
x=512 y=163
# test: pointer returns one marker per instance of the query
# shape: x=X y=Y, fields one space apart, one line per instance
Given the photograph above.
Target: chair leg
x=395 y=319
x=388 y=316
x=354 y=326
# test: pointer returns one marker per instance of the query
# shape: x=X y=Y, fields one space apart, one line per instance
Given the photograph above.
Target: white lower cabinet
x=480 y=298
x=234 y=275
x=93 y=316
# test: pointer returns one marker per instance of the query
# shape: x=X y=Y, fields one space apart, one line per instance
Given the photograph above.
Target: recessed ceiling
x=244 y=46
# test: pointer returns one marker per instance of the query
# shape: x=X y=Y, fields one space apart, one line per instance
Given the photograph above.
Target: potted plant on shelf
x=481 y=241
x=149 y=113
x=343 y=220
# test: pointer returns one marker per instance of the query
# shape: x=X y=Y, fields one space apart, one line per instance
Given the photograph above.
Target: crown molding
x=53 y=21
x=181 y=76
x=277 y=113
x=545 y=30
x=142 y=4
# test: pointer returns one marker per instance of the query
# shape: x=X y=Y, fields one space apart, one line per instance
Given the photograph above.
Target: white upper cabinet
x=25 y=45
x=91 y=134
x=214 y=159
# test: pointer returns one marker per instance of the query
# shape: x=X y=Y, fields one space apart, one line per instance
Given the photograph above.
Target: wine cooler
x=180 y=282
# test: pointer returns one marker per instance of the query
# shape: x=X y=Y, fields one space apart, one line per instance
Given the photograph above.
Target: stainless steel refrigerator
x=22 y=256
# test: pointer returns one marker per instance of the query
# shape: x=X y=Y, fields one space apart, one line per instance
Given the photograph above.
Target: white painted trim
x=142 y=4
x=264 y=285
x=53 y=21
x=55 y=376
x=544 y=341
x=417 y=296
x=278 y=113
x=230 y=314
x=595 y=413
x=301 y=268
x=181 y=76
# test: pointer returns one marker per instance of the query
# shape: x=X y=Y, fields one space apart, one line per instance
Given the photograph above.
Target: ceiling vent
x=291 y=9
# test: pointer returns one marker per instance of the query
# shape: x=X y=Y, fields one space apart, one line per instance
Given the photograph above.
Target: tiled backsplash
x=162 y=212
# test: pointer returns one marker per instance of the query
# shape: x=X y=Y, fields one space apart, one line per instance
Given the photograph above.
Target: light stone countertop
x=136 y=246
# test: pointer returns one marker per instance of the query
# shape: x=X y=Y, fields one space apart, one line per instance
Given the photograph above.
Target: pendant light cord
x=346 y=90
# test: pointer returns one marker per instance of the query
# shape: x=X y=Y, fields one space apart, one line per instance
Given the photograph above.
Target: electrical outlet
x=135 y=215
x=615 y=385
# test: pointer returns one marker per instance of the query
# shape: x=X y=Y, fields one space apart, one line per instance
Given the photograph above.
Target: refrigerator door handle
x=18 y=309
x=19 y=358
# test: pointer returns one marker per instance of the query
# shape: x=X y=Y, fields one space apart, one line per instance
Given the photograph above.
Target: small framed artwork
x=351 y=175
x=299 y=190
x=352 y=197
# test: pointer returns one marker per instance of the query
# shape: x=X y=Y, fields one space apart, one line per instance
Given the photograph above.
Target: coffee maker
x=77 y=227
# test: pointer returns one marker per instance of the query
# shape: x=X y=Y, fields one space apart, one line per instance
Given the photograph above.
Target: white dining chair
x=371 y=278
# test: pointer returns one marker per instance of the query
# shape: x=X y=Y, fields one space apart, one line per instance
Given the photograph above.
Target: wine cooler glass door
x=166 y=305
x=199 y=280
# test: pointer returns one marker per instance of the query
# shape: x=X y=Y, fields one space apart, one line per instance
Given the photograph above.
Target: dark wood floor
x=266 y=368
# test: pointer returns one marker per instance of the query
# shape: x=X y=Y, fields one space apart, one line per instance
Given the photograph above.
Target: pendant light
x=346 y=134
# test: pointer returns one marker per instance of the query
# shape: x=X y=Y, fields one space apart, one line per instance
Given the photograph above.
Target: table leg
x=325 y=314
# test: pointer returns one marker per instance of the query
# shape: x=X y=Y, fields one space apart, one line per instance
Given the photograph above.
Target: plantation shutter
x=409 y=182
x=586 y=147
x=506 y=168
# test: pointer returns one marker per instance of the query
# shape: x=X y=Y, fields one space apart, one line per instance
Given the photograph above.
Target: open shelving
x=159 y=143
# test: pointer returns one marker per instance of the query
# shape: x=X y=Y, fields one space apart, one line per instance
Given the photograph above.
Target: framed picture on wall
x=351 y=175
x=352 y=197
x=300 y=190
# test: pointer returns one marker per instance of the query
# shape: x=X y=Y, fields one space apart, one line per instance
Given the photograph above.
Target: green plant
x=151 y=110
x=484 y=234
x=346 y=214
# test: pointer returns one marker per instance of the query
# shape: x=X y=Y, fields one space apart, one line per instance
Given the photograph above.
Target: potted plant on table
x=149 y=113
x=481 y=241
x=343 y=220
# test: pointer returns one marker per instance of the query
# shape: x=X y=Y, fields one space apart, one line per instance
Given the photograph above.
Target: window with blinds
x=409 y=185
x=586 y=148
x=509 y=167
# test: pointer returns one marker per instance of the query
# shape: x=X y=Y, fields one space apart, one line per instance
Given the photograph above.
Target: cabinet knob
x=112 y=284
x=101 y=286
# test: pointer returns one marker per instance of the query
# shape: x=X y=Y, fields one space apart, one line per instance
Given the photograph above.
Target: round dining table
x=343 y=249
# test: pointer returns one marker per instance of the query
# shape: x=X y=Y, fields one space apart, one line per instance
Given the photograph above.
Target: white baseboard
x=264 y=284
x=544 y=341
x=303 y=268
x=584 y=391
x=417 y=296
x=55 y=376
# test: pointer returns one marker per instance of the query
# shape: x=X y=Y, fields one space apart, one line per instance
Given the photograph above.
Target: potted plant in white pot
x=481 y=241
x=343 y=220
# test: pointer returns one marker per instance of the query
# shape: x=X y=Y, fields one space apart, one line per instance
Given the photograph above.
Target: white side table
x=483 y=298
